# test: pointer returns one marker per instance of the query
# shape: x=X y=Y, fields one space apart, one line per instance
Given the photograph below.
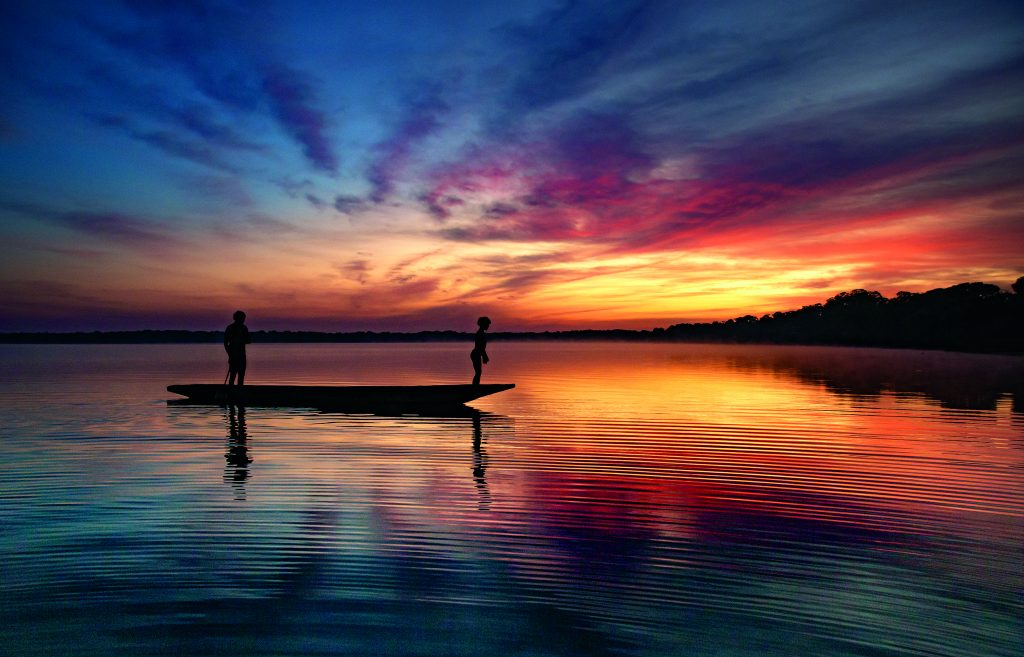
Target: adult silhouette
x=236 y=336
x=479 y=353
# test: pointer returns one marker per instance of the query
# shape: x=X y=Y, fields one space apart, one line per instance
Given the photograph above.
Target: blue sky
x=400 y=166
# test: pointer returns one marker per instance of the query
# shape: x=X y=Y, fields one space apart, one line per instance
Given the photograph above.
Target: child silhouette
x=479 y=353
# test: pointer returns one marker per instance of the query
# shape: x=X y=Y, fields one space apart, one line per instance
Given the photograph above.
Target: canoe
x=338 y=397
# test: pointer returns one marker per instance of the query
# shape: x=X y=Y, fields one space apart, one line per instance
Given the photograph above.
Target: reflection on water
x=623 y=499
x=975 y=382
x=480 y=462
x=236 y=468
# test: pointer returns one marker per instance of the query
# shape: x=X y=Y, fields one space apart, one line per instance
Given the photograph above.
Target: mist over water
x=623 y=499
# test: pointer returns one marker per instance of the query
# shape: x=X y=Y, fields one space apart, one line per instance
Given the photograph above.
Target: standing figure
x=236 y=336
x=479 y=353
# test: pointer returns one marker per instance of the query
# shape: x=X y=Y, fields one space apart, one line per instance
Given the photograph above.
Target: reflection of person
x=236 y=468
x=479 y=353
x=480 y=464
x=236 y=336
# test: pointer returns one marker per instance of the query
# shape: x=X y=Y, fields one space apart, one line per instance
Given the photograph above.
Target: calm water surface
x=623 y=500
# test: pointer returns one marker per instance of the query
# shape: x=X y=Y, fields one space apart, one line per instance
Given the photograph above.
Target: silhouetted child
x=479 y=353
x=236 y=336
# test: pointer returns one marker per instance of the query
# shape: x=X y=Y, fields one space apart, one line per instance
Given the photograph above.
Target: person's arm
x=227 y=341
x=248 y=340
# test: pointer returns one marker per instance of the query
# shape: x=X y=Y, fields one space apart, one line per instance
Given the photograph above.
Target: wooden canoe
x=338 y=397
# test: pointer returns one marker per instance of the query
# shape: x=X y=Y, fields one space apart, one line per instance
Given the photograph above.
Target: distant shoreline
x=969 y=317
x=156 y=336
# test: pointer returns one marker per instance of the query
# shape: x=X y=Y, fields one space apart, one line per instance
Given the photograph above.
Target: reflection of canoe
x=347 y=397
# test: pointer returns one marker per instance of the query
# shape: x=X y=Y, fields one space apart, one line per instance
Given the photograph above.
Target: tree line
x=964 y=317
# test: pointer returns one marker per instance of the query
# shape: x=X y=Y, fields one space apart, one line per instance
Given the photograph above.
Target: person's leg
x=241 y=373
x=477 y=368
x=231 y=374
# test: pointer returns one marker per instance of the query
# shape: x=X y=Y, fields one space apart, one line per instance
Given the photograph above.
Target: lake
x=623 y=499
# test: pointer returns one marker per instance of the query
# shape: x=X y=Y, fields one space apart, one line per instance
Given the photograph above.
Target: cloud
x=219 y=52
x=566 y=51
x=440 y=205
x=293 y=103
x=833 y=140
x=292 y=187
x=357 y=270
x=384 y=299
x=424 y=115
x=586 y=158
x=209 y=45
x=347 y=204
x=230 y=190
x=113 y=227
x=315 y=201
x=501 y=209
x=44 y=305
x=170 y=142
x=28 y=301
x=157 y=103
x=269 y=224
x=601 y=178
x=774 y=118
x=173 y=144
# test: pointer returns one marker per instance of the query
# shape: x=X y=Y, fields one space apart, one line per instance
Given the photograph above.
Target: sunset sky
x=412 y=165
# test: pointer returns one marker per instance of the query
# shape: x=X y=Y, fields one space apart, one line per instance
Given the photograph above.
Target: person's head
x=239 y=316
x=483 y=322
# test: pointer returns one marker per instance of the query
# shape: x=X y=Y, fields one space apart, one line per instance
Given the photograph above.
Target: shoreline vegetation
x=974 y=317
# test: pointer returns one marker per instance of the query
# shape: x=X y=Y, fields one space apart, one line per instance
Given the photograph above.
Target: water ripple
x=650 y=499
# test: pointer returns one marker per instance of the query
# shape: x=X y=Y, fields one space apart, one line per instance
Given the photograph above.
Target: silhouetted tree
x=966 y=317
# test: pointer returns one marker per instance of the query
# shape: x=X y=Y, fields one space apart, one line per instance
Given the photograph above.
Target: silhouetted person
x=236 y=336
x=479 y=353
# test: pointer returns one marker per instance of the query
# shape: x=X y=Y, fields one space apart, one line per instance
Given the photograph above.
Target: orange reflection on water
x=671 y=440
x=617 y=481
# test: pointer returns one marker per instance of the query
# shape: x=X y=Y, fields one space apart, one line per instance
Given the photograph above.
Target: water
x=624 y=499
